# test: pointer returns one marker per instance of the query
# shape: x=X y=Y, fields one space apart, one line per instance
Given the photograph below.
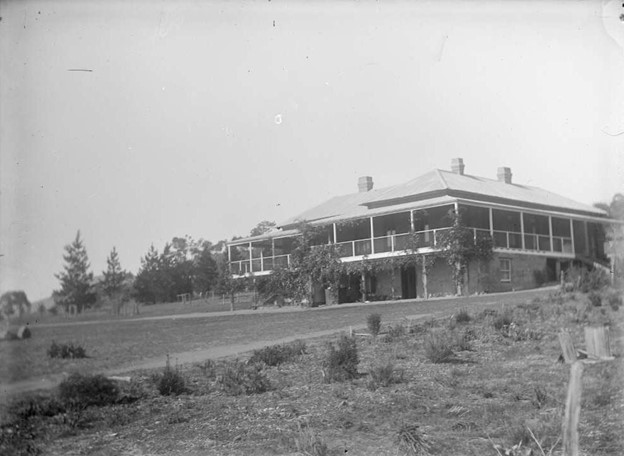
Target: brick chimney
x=504 y=175
x=365 y=184
x=457 y=166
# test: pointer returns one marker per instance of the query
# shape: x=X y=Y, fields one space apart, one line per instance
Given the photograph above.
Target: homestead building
x=536 y=234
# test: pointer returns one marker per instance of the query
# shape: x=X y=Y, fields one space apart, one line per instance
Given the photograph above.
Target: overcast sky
x=204 y=118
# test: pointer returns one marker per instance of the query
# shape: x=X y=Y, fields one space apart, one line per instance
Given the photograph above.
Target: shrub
x=412 y=441
x=463 y=316
x=614 y=298
x=237 y=378
x=341 y=363
x=501 y=321
x=79 y=391
x=395 y=332
x=384 y=375
x=586 y=281
x=439 y=347
x=65 y=351
x=35 y=405
x=278 y=354
x=373 y=321
x=171 y=382
x=595 y=299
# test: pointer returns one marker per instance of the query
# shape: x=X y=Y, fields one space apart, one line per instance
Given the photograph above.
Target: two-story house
x=534 y=232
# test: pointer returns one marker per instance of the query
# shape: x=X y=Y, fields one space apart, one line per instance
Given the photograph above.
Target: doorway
x=408 y=282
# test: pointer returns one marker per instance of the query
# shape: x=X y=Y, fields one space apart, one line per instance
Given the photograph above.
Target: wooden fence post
x=572 y=411
x=597 y=342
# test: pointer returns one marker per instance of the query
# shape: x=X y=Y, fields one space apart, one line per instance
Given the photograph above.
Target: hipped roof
x=436 y=187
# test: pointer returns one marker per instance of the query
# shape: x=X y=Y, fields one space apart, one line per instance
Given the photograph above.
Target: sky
x=204 y=118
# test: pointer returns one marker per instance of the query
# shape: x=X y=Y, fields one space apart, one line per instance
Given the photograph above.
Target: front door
x=408 y=282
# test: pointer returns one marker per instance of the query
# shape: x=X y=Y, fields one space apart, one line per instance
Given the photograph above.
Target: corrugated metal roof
x=436 y=187
x=487 y=188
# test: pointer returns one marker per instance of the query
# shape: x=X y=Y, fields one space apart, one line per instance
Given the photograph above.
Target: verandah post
x=424 y=276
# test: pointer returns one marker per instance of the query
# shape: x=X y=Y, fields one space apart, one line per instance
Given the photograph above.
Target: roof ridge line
x=444 y=183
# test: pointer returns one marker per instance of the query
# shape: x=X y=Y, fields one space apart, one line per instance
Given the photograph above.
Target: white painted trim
x=535 y=211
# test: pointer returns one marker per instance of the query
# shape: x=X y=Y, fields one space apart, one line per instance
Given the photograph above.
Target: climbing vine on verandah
x=322 y=265
x=459 y=248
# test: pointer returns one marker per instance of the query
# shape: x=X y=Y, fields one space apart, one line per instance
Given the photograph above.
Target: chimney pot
x=504 y=175
x=365 y=184
x=457 y=166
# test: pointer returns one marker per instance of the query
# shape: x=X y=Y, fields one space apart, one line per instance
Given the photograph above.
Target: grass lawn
x=499 y=382
x=124 y=343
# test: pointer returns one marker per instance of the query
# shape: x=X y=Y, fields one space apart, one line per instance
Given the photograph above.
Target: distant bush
x=341 y=363
x=373 y=322
x=384 y=375
x=586 y=281
x=65 y=351
x=171 y=382
x=237 y=378
x=595 y=299
x=463 y=316
x=79 y=391
x=278 y=354
x=439 y=347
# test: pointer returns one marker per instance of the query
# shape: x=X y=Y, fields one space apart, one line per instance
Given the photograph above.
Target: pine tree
x=114 y=276
x=76 y=279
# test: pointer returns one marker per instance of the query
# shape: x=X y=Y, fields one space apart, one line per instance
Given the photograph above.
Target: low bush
x=278 y=354
x=412 y=441
x=341 y=363
x=463 y=316
x=65 y=351
x=595 y=299
x=171 y=382
x=34 y=406
x=384 y=375
x=78 y=391
x=439 y=347
x=395 y=332
x=237 y=378
x=373 y=322
x=502 y=321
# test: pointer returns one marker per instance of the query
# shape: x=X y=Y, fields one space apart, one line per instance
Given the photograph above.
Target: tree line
x=184 y=266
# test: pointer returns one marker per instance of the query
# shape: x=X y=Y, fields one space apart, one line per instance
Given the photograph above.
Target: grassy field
x=500 y=384
x=123 y=343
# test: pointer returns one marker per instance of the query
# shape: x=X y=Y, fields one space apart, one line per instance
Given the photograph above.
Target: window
x=505 y=269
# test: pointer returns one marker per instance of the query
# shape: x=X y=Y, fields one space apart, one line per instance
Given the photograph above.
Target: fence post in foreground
x=572 y=411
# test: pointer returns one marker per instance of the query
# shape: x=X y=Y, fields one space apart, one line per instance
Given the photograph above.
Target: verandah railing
x=423 y=239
